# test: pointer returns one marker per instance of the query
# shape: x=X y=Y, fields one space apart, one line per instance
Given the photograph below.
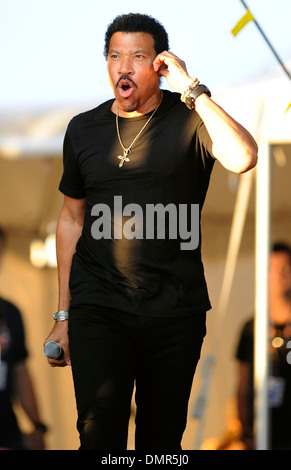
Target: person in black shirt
x=136 y=173
x=15 y=380
x=280 y=366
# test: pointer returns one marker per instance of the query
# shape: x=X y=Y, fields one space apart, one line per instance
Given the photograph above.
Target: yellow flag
x=242 y=22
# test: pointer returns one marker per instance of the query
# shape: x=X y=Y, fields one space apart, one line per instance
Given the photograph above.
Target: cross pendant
x=123 y=158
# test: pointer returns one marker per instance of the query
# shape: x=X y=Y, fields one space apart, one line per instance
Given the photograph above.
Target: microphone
x=53 y=350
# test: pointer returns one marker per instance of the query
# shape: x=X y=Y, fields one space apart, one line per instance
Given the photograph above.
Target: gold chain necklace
x=127 y=151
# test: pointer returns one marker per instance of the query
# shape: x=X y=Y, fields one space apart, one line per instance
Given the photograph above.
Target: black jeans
x=110 y=352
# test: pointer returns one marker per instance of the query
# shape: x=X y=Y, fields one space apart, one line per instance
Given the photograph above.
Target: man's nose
x=126 y=66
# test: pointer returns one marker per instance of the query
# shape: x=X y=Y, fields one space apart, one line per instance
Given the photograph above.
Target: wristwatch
x=189 y=100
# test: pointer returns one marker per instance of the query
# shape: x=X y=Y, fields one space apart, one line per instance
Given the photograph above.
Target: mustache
x=126 y=77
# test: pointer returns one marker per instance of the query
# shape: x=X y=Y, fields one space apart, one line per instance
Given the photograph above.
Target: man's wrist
x=190 y=86
x=193 y=92
x=39 y=426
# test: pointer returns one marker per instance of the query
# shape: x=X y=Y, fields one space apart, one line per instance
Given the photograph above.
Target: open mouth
x=125 y=88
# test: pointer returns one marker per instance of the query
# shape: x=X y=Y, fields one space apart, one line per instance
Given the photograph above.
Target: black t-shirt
x=279 y=381
x=13 y=350
x=170 y=165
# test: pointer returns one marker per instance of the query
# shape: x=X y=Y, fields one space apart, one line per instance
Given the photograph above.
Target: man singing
x=132 y=293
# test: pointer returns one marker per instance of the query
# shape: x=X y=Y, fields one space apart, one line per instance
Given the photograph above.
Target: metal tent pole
x=261 y=366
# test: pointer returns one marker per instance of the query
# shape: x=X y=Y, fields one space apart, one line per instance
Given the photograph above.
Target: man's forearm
x=23 y=390
x=233 y=145
x=69 y=229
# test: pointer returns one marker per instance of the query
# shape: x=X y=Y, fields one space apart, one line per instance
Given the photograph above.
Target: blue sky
x=52 y=51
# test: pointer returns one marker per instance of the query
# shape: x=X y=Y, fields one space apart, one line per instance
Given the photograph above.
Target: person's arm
x=233 y=145
x=23 y=391
x=245 y=402
x=69 y=229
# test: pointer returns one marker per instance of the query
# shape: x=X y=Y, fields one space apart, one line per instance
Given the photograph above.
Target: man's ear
x=162 y=67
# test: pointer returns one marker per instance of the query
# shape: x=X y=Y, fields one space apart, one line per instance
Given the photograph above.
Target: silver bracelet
x=61 y=315
x=189 y=89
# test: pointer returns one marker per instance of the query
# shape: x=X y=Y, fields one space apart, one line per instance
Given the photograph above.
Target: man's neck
x=280 y=310
x=144 y=108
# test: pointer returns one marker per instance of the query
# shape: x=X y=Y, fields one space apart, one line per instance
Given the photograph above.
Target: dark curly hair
x=138 y=23
x=279 y=247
